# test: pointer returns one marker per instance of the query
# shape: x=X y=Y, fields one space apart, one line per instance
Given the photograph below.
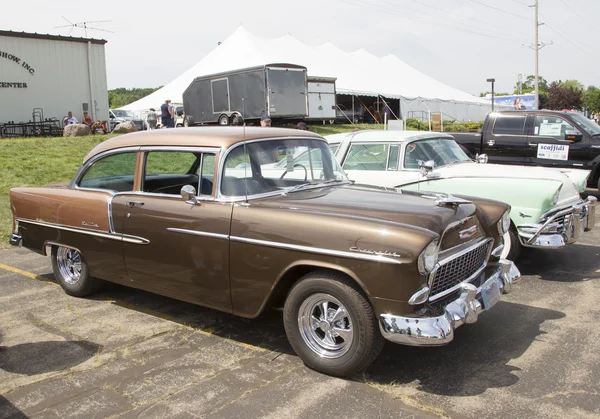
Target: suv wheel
x=331 y=325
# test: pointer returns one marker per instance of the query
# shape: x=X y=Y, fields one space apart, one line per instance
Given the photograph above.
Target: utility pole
x=537 y=46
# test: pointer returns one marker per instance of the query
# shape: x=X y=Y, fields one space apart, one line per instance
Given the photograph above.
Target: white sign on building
x=55 y=73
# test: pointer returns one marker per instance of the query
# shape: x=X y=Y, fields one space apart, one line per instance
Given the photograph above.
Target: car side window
x=551 y=126
x=114 y=172
x=166 y=172
x=394 y=155
x=334 y=147
x=509 y=125
x=366 y=157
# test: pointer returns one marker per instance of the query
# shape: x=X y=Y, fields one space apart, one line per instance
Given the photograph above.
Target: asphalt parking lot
x=128 y=353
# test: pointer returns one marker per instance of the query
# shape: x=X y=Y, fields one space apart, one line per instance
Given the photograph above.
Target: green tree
x=528 y=86
x=122 y=96
x=574 y=84
x=592 y=99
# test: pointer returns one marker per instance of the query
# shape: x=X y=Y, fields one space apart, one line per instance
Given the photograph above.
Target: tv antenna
x=84 y=26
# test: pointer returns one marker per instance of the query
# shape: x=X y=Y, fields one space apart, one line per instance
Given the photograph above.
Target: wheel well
x=293 y=275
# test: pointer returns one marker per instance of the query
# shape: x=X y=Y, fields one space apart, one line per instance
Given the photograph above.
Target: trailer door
x=321 y=100
x=287 y=92
x=220 y=95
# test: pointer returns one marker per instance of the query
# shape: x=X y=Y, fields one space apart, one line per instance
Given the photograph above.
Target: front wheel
x=331 y=325
x=71 y=272
x=512 y=245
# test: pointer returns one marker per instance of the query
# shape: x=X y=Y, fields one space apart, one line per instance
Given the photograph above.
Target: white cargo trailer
x=321 y=98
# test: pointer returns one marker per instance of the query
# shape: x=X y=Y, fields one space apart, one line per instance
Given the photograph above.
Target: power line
x=500 y=10
x=420 y=18
x=571 y=42
x=581 y=17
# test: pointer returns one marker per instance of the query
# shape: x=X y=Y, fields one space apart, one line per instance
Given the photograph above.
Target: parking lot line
x=20 y=271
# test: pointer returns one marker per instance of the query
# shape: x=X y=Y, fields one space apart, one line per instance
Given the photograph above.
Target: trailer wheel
x=223 y=120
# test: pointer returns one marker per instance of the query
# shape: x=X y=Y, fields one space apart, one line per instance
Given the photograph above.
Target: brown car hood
x=367 y=203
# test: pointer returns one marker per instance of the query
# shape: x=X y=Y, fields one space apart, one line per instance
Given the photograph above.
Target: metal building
x=52 y=75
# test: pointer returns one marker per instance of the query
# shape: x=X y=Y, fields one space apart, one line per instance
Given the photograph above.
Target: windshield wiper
x=313 y=184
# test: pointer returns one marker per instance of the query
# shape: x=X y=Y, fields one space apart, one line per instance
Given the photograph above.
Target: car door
x=506 y=141
x=548 y=144
x=187 y=250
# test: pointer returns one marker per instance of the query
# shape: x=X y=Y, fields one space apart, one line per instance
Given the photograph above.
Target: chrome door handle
x=132 y=204
x=532 y=144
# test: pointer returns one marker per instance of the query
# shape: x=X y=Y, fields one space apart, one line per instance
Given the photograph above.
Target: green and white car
x=547 y=210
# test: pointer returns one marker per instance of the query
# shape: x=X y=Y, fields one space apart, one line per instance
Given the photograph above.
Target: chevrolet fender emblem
x=374 y=252
x=469 y=232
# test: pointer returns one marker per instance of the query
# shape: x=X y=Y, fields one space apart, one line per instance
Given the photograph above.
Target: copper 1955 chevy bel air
x=208 y=216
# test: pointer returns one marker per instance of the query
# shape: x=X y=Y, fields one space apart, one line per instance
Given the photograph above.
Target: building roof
x=51 y=37
x=385 y=136
x=358 y=72
x=212 y=136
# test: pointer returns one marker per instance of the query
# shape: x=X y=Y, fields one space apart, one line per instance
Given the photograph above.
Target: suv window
x=114 y=172
x=366 y=157
x=551 y=126
x=509 y=124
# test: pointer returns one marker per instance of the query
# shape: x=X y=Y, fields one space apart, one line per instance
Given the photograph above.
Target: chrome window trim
x=310 y=249
x=106 y=235
x=85 y=166
x=199 y=233
x=192 y=149
x=485 y=242
x=223 y=198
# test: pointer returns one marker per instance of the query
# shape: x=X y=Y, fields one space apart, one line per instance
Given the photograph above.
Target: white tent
x=359 y=73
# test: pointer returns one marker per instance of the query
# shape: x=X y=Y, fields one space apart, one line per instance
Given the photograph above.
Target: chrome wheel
x=325 y=326
x=69 y=264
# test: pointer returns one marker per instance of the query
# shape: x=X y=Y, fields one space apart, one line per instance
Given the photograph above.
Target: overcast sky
x=459 y=42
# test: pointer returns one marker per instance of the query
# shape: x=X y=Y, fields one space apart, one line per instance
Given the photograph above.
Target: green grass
x=41 y=161
x=37 y=162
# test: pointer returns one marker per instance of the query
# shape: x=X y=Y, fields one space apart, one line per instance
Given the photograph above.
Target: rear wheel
x=71 y=272
x=331 y=325
x=223 y=120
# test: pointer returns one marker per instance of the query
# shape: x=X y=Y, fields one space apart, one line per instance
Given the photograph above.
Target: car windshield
x=122 y=114
x=279 y=166
x=585 y=124
x=442 y=151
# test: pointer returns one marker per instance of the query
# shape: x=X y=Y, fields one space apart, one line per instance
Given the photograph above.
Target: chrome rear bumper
x=15 y=240
x=562 y=228
x=436 y=331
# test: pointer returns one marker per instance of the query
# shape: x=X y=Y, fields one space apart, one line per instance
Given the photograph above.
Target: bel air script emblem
x=469 y=232
x=90 y=224
x=374 y=252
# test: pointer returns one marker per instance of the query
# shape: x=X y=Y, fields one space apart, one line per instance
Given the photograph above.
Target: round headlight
x=504 y=223
x=428 y=257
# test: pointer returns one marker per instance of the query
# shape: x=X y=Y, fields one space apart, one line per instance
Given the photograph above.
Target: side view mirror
x=426 y=167
x=481 y=158
x=188 y=193
x=574 y=136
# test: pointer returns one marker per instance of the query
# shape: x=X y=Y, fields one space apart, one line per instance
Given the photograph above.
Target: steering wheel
x=295 y=165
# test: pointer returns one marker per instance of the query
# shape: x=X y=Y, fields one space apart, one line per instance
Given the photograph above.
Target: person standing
x=265 y=120
x=151 y=119
x=172 y=115
x=165 y=115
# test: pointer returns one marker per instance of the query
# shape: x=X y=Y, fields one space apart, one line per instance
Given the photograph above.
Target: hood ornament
x=446 y=200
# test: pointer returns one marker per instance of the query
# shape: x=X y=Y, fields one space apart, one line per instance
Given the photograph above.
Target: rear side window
x=509 y=124
x=114 y=172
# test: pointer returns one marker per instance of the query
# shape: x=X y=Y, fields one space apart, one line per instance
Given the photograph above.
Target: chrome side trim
x=105 y=235
x=310 y=249
x=199 y=233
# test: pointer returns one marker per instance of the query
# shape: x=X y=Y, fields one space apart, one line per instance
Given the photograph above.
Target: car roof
x=386 y=136
x=213 y=136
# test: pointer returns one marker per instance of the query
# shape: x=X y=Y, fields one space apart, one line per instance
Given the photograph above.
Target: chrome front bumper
x=562 y=228
x=436 y=331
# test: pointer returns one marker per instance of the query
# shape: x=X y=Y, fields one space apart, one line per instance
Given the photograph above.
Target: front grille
x=457 y=270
